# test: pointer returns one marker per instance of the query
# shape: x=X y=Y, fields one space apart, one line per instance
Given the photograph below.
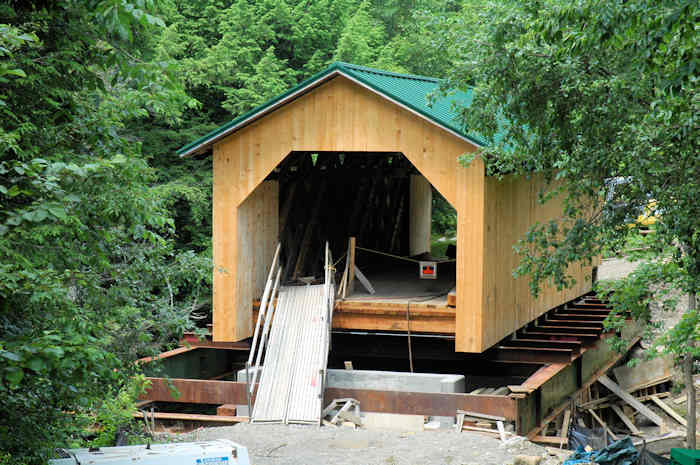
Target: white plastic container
x=217 y=452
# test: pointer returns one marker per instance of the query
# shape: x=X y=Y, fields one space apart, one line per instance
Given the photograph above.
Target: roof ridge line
x=368 y=69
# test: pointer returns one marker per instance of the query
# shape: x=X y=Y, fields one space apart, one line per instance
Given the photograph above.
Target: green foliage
x=116 y=414
x=90 y=278
x=105 y=236
x=361 y=39
x=444 y=216
x=590 y=94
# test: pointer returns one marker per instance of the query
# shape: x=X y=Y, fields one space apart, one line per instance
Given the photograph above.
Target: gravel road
x=310 y=445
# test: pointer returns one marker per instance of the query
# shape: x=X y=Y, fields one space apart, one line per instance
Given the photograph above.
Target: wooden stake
x=672 y=413
x=350 y=286
x=565 y=428
x=364 y=281
x=603 y=424
x=625 y=419
x=610 y=384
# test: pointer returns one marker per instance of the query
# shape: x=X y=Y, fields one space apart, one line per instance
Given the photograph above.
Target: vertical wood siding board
x=224 y=245
x=470 y=262
x=242 y=267
x=343 y=136
x=398 y=141
x=334 y=134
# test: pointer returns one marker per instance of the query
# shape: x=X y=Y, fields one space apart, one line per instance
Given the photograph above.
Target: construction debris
x=480 y=422
x=343 y=413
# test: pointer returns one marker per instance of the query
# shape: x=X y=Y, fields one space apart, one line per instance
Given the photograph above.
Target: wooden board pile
x=621 y=408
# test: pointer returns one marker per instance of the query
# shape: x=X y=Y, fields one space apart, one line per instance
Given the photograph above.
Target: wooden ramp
x=291 y=386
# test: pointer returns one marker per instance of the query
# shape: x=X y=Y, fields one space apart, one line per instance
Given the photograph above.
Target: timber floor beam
x=391 y=316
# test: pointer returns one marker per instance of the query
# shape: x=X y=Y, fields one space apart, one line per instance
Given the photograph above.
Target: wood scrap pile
x=493 y=391
x=483 y=423
x=634 y=405
x=342 y=411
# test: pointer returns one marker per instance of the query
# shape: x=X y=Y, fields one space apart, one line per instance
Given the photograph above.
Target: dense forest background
x=105 y=251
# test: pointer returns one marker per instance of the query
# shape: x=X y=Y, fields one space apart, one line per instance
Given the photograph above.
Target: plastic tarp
x=649 y=458
x=580 y=436
x=620 y=452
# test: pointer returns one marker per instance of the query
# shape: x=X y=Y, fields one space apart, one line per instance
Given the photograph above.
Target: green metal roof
x=407 y=90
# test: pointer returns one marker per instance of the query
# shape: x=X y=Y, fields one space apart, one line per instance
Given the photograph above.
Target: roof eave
x=224 y=131
x=206 y=141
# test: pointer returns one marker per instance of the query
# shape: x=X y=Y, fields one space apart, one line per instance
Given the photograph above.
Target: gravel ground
x=615 y=268
x=310 y=445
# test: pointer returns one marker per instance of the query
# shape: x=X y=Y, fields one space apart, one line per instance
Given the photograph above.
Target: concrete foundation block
x=386 y=380
x=395 y=381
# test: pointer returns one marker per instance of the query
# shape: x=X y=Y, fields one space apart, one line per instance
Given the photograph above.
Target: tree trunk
x=689 y=384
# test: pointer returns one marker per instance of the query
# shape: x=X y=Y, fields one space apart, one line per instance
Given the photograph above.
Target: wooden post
x=247 y=391
x=350 y=286
x=420 y=204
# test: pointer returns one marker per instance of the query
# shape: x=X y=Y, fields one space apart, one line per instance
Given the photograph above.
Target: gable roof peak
x=406 y=90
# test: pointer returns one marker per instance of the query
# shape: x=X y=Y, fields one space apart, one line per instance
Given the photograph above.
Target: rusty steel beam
x=422 y=403
x=532 y=354
x=195 y=391
x=555 y=412
x=532 y=342
x=565 y=335
x=567 y=329
x=572 y=323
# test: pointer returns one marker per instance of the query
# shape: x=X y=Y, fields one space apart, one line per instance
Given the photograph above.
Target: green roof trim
x=408 y=90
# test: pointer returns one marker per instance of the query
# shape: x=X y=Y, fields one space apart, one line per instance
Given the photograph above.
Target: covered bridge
x=353 y=152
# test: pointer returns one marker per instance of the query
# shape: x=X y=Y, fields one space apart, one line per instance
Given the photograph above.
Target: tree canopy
x=602 y=100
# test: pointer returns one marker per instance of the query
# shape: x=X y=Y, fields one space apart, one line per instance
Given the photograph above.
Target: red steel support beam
x=195 y=391
x=423 y=403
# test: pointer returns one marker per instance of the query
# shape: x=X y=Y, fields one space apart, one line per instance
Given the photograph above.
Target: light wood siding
x=420 y=216
x=256 y=223
x=470 y=257
x=511 y=207
x=341 y=116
